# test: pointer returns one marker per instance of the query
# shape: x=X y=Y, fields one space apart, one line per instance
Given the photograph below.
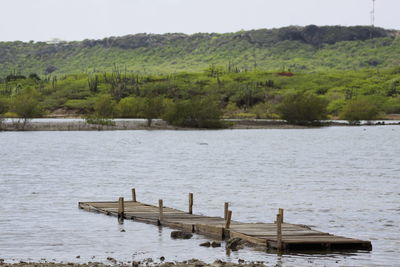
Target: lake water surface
x=343 y=180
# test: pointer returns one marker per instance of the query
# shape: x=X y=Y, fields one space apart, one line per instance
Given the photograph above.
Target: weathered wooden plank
x=144 y=220
x=292 y=233
x=249 y=230
x=209 y=230
x=315 y=241
x=271 y=227
x=198 y=222
x=110 y=205
x=269 y=224
x=170 y=213
x=184 y=227
x=254 y=240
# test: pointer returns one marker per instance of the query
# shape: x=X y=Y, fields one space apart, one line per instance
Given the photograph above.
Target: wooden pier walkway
x=279 y=235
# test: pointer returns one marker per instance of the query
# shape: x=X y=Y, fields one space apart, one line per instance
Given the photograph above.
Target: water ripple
x=340 y=179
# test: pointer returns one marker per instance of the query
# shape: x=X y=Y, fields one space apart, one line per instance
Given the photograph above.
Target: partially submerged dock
x=280 y=236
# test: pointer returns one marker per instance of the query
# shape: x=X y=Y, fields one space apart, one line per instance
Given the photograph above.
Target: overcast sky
x=42 y=20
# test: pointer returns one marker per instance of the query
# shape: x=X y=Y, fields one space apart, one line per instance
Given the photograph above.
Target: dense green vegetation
x=303 y=108
x=300 y=49
x=200 y=99
x=300 y=74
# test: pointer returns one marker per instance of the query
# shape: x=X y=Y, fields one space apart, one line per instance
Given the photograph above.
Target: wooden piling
x=279 y=233
x=280 y=212
x=133 y=194
x=121 y=208
x=190 y=203
x=226 y=209
x=228 y=220
x=160 y=211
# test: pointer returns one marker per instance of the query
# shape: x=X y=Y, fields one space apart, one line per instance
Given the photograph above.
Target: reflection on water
x=340 y=180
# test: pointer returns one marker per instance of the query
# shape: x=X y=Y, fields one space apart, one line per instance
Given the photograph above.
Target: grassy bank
x=200 y=100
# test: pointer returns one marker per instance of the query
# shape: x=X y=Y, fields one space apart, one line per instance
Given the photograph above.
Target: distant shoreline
x=77 y=124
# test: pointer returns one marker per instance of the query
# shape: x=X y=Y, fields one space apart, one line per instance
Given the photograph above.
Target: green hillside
x=299 y=49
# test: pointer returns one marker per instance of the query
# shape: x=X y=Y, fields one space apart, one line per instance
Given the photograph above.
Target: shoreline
x=77 y=124
x=147 y=262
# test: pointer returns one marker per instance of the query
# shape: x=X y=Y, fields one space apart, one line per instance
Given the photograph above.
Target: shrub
x=336 y=106
x=99 y=121
x=83 y=105
x=244 y=116
x=196 y=112
x=10 y=114
x=303 y=108
x=153 y=108
x=130 y=107
x=392 y=105
x=359 y=109
x=104 y=106
x=264 y=110
x=3 y=109
x=3 y=106
x=26 y=105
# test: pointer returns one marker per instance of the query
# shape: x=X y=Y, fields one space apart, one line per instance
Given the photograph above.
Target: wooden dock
x=280 y=236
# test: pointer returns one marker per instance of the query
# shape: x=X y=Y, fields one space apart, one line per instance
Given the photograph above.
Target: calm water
x=344 y=180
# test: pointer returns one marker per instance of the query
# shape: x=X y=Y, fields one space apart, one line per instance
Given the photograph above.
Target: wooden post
x=279 y=233
x=160 y=211
x=228 y=220
x=280 y=212
x=226 y=209
x=190 y=203
x=133 y=195
x=121 y=208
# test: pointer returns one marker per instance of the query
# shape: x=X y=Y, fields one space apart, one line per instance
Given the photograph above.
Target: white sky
x=42 y=20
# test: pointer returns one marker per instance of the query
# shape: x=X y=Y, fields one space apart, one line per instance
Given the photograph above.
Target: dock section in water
x=279 y=235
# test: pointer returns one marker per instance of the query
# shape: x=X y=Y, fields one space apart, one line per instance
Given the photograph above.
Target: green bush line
x=201 y=99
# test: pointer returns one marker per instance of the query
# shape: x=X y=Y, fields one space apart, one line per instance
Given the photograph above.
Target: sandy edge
x=156 y=125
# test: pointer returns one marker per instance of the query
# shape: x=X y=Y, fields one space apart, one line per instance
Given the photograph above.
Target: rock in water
x=233 y=243
x=111 y=259
x=205 y=244
x=181 y=235
x=215 y=244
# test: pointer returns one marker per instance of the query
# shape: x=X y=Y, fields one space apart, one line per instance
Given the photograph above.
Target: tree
x=303 y=108
x=358 y=109
x=93 y=83
x=214 y=71
x=153 y=108
x=130 y=107
x=34 y=76
x=197 y=112
x=104 y=106
x=26 y=105
x=3 y=106
x=3 y=109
